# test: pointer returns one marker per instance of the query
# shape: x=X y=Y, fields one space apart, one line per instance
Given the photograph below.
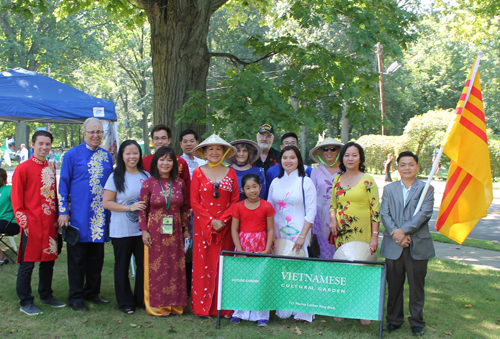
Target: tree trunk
x=345 y=126
x=180 y=56
x=145 y=132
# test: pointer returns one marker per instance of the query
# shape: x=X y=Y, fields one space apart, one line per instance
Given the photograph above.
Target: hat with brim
x=253 y=151
x=313 y=154
x=355 y=250
x=285 y=246
x=214 y=139
x=71 y=235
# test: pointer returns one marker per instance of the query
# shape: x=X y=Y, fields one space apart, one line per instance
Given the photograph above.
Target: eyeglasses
x=290 y=143
x=216 y=188
x=160 y=138
x=333 y=149
x=98 y=133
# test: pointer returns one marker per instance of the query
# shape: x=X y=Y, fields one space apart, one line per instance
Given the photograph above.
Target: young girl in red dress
x=252 y=230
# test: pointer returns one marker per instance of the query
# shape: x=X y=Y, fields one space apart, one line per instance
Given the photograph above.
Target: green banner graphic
x=326 y=288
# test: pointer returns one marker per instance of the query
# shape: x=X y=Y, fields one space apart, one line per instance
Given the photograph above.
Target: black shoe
x=98 y=301
x=53 y=302
x=418 y=330
x=31 y=309
x=79 y=306
x=390 y=327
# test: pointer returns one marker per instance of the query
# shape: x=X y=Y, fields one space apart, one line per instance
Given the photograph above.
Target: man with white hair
x=268 y=155
x=84 y=172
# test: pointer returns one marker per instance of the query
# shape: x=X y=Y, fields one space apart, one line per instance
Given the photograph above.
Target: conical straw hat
x=253 y=152
x=284 y=247
x=355 y=250
x=317 y=150
x=214 y=139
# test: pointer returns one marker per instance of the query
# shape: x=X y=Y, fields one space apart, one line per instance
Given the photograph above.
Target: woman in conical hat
x=214 y=190
x=247 y=152
x=325 y=153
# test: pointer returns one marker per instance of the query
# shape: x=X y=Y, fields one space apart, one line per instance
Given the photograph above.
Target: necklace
x=349 y=183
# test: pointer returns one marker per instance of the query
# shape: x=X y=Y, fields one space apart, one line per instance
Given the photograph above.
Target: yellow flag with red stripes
x=469 y=191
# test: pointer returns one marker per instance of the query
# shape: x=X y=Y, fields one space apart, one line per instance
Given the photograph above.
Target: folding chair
x=12 y=243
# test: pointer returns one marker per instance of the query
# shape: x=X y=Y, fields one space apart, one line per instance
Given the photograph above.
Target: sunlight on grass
x=450 y=286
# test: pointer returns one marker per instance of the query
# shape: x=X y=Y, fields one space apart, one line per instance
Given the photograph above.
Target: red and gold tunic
x=208 y=243
x=34 y=201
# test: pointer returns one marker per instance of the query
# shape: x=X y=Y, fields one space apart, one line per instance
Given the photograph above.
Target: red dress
x=183 y=173
x=253 y=225
x=34 y=201
x=208 y=243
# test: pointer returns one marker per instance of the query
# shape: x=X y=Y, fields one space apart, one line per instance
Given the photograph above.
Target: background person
x=293 y=196
x=252 y=230
x=121 y=197
x=213 y=193
x=164 y=226
x=268 y=155
x=388 y=169
x=288 y=139
x=84 y=173
x=325 y=153
x=247 y=152
x=23 y=154
x=7 y=223
x=355 y=209
x=34 y=201
x=407 y=244
x=188 y=140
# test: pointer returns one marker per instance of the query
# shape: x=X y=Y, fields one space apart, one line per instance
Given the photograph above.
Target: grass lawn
x=484 y=244
x=462 y=302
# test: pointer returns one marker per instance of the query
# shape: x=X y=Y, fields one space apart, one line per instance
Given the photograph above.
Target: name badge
x=167 y=222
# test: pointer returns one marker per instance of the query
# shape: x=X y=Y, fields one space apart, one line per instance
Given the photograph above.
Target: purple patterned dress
x=322 y=180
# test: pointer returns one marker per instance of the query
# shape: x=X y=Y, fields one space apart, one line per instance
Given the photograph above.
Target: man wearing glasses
x=84 y=173
x=288 y=139
x=268 y=155
x=161 y=136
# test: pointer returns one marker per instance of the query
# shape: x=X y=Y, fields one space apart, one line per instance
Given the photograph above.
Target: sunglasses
x=333 y=149
x=216 y=188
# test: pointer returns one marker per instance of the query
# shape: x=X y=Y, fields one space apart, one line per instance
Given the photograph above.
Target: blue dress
x=252 y=170
x=84 y=173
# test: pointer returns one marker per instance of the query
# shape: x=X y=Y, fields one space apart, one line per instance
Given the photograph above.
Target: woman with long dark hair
x=164 y=225
x=293 y=197
x=121 y=197
x=354 y=208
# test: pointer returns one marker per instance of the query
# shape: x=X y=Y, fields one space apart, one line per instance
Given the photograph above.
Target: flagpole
x=440 y=153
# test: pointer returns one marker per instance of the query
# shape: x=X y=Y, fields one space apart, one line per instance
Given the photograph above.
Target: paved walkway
x=468 y=255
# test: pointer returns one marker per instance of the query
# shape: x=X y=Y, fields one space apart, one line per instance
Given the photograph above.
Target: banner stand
x=381 y=281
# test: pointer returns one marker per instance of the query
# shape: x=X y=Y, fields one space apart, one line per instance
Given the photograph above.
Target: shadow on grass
x=462 y=302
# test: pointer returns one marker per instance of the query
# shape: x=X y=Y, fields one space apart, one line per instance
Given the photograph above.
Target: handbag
x=313 y=247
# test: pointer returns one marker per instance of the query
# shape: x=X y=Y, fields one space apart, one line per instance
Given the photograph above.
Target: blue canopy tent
x=29 y=96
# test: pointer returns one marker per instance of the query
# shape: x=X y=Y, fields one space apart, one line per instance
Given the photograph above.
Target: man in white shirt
x=189 y=139
x=23 y=154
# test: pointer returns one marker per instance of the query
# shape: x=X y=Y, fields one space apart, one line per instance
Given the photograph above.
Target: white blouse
x=285 y=194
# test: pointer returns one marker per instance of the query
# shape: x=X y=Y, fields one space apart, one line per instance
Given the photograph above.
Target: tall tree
x=179 y=29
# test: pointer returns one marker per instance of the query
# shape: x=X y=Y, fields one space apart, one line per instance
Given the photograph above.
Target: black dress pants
x=23 y=285
x=123 y=249
x=397 y=270
x=85 y=261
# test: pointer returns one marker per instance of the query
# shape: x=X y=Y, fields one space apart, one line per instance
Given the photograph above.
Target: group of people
x=165 y=209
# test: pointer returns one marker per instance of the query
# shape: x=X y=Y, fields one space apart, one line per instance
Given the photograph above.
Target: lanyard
x=169 y=194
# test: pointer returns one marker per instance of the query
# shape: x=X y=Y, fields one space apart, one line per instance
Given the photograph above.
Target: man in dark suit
x=407 y=244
